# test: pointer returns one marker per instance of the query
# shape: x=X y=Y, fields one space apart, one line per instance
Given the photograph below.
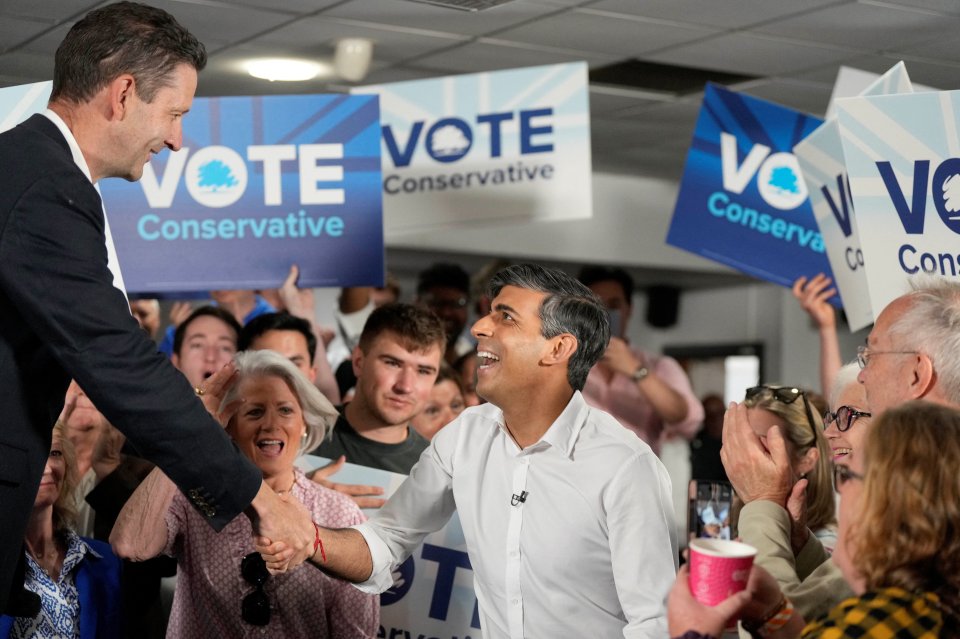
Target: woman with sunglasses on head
x=898 y=545
x=780 y=529
x=273 y=413
x=788 y=408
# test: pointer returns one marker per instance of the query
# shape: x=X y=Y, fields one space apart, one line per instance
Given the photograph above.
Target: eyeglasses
x=864 y=353
x=785 y=395
x=842 y=474
x=845 y=416
x=255 y=608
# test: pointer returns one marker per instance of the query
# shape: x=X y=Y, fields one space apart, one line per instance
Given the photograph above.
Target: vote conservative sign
x=742 y=200
x=822 y=162
x=902 y=157
x=432 y=596
x=486 y=146
x=260 y=183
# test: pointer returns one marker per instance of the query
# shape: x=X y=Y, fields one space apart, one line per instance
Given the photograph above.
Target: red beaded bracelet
x=317 y=543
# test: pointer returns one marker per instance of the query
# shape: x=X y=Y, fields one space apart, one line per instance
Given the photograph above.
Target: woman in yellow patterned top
x=898 y=544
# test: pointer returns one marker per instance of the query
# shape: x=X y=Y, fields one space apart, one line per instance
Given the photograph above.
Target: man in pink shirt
x=648 y=394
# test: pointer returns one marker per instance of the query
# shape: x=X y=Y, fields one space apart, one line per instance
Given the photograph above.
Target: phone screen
x=710 y=509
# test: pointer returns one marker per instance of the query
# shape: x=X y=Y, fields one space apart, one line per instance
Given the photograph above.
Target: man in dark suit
x=124 y=77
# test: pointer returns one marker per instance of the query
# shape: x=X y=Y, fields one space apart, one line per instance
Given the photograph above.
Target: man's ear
x=562 y=348
x=923 y=378
x=357 y=358
x=120 y=91
x=175 y=360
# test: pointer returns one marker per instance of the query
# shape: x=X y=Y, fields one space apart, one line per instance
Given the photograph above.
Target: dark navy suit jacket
x=61 y=317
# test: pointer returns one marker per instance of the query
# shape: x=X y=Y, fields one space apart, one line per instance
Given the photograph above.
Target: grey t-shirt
x=396 y=458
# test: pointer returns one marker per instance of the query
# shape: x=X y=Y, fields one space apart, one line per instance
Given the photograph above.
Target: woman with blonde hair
x=273 y=413
x=77 y=579
x=899 y=547
x=789 y=408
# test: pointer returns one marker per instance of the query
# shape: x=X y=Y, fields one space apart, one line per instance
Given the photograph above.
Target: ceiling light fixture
x=352 y=58
x=285 y=69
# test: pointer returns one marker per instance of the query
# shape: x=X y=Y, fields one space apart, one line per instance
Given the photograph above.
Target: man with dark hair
x=286 y=334
x=647 y=393
x=124 y=77
x=204 y=343
x=567 y=517
x=445 y=290
x=396 y=363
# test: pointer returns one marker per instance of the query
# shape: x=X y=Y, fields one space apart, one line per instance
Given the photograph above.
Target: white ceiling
x=794 y=46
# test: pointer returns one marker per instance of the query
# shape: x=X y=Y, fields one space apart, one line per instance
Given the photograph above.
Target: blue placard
x=742 y=200
x=261 y=183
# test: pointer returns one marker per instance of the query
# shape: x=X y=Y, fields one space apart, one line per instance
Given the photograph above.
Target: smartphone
x=710 y=513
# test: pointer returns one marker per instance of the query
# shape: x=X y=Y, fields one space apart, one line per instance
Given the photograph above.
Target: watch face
x=640 y=373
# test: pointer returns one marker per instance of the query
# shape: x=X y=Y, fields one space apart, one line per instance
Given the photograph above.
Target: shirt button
x=516 y=602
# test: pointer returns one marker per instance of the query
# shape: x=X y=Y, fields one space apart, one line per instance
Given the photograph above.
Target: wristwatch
x=640 y=374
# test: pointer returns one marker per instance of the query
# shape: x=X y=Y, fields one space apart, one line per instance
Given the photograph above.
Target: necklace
x=292 y=484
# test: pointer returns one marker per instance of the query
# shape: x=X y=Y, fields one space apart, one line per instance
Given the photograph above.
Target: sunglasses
x=255 y=608
x=844 y=416
x=785 y=395
x=842 y=474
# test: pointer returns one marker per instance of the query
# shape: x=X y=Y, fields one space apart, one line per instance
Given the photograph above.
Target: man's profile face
x=393 y=383
x=208 y=344
x=886 y=378
x=150 y=127
x=510 y=345
x=290 y=344
x=450 y=305
x=612 y=295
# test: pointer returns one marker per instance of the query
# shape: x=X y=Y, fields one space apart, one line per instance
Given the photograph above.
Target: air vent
x=465 y=5
x=661 y=78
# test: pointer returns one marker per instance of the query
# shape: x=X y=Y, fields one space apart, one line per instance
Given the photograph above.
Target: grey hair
x=319 y=415
x=845 y=376
x=570 y=307
x=931 y=324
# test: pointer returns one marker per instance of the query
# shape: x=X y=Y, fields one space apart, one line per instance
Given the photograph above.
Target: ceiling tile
x=14 y=31
x=492 y=55
x=950 y=7
x=49 y=11
x=320 y=34
x=418 y=15
x=617 y=35
x=734 y=14
x=865 y=26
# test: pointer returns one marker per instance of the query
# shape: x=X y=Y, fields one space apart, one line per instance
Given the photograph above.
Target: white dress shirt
x=591 y=552
x=112 y=261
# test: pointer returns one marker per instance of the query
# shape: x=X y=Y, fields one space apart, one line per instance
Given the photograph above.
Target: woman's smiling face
x=843 y=443
x=268 y=427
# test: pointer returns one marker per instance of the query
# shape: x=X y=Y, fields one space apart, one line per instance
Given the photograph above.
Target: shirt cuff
x=381 y=578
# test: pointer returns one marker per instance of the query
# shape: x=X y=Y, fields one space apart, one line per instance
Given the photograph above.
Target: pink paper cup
x=718 y=569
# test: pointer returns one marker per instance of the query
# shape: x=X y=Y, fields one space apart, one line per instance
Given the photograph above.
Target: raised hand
x=813 y=295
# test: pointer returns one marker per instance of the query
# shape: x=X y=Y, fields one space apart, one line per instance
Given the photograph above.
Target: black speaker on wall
x=663 y=305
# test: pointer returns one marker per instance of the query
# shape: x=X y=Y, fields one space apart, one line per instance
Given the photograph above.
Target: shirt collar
x=565 y=430
x=78 y=158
